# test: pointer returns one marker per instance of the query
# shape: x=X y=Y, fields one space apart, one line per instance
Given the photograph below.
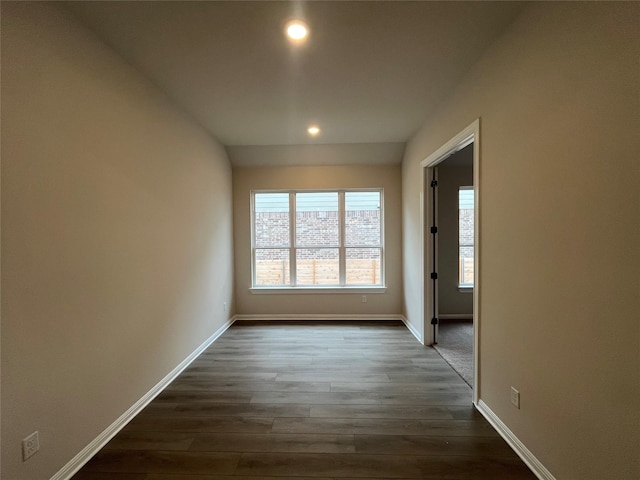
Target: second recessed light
x=297 y=31
x=313 y=130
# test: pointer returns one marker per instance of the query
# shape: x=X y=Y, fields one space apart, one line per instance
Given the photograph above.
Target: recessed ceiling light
x=297 y=30
x=313 y=130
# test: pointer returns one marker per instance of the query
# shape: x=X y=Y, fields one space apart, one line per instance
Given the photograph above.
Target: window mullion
x=341 y=248
x=292 y=239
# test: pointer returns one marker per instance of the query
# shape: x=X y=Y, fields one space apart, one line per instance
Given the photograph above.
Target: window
x=317 y=239
x=465 y=236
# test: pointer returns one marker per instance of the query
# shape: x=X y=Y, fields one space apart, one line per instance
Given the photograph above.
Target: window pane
x=271 y=219
x=317 y=266
x=362 y=218
x=363 y=266
x=317 y=219
x=272 y=267
x=465 y=235
x=466 y=265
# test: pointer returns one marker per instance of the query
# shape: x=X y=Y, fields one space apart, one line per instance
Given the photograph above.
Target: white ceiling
x=369 y=73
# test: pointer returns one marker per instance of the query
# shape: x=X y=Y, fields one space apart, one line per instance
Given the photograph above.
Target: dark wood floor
x=311 y=400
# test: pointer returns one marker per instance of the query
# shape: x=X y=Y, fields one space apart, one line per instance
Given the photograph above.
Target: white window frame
x=342 y=248
x=464 y=287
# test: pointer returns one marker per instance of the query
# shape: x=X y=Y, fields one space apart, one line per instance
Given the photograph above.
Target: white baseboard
x=316 y=317
x=455 y=316
x=77 y=462
x=523 y=452
x=412 y=329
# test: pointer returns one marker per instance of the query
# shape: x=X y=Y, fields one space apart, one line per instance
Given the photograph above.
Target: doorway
x=450 y=252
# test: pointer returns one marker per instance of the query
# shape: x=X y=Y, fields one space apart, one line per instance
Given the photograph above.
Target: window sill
x=465 y=288
x=314 y=290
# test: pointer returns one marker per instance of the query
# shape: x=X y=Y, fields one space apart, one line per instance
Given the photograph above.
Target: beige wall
x=251 y=178
x=116 y=237
x=558 y=99
x=450 y=300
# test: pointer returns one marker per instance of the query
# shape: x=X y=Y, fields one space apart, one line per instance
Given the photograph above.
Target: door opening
x=451 y=315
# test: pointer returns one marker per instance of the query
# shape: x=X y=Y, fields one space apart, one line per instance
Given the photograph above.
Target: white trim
x=314 y=290
x=412 y=329
x=455 y=316
x=461 y=140
x=471 y=134
x=538 y=469
x=476 y=262
x=77 y=462
x=304 y=317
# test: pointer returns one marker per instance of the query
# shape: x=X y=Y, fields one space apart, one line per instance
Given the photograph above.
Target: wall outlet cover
x=515 y=398
x=30 y=445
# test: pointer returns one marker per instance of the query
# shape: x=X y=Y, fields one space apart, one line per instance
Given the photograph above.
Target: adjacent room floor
x=311 y=400
x=455 y=345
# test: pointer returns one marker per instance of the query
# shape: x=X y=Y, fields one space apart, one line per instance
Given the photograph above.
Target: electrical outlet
x=515 y=398
x=364 y=299
x=224 y=306
x=30 y=445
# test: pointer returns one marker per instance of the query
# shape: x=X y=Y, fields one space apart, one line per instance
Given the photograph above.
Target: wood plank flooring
x=302 y=401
